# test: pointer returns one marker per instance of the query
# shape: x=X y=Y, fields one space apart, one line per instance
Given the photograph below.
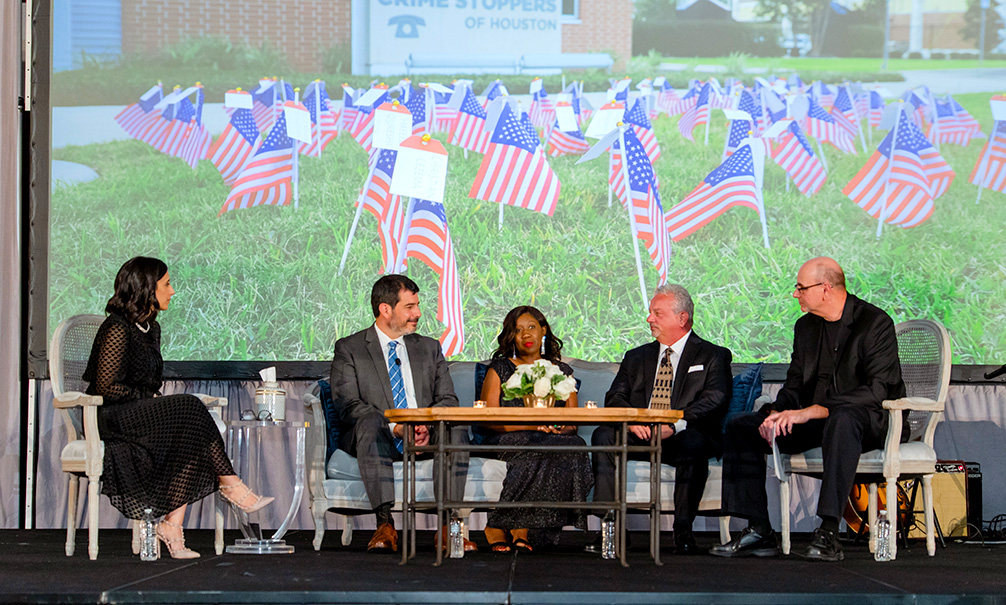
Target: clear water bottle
x=882 y=551
x=607 y=538
x=148 y=537
x=456 y=534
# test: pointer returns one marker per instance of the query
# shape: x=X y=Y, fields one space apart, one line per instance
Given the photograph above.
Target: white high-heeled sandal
x=258 y=503
x=176 y=546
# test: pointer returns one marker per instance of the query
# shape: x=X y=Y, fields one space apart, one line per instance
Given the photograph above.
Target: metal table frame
x=238 y=442
x=442 y=418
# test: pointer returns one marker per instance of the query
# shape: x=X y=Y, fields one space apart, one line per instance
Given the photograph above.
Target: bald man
x=844 y=365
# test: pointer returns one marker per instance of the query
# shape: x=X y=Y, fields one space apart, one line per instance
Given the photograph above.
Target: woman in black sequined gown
x=533 y=476
x=161 y=453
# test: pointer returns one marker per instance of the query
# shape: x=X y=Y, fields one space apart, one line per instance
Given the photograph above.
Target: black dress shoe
x=684 y=543
x=749 y=544
x=824 y=547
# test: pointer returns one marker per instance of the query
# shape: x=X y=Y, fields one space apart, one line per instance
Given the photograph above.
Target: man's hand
x=422 y=433
x=642 y=431
x=781 y=423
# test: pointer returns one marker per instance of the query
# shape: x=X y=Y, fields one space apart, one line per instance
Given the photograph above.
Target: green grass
x=262 y=283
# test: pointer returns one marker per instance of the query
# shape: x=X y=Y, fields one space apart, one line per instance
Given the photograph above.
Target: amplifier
x=957 y=500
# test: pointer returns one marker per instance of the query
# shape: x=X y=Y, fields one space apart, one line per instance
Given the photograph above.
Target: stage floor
x=34 y=569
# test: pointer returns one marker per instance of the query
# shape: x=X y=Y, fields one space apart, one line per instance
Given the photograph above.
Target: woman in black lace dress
x=161 y=453
x=543 y=476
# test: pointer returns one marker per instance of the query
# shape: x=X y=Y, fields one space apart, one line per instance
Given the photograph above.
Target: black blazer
x=702 y=380
x=360 y=382
x=867 y=368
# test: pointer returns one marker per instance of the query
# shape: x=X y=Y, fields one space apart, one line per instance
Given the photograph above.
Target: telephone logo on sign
x=407 y=25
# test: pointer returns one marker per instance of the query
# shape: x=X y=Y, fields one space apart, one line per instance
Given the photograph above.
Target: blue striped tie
x=397 y=383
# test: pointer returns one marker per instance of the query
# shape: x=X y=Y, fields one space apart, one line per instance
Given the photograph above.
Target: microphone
x=398 y=362
x=996 y=373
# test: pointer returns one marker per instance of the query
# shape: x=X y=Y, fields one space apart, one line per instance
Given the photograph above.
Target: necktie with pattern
x=397 y=383
x=661 y=397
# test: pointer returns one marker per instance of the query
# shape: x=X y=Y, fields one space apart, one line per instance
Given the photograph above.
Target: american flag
x=532 y=132
x=821 y=125
x=946 y=128
x=443 y=115
x=180 y=132
x=907 y=174
x=794 y=154
x=422 y=120
x=363 y=129
x=386 y=207
x=844 y=113
x=349 y=113
x=667 y=99
x=968 y=120
x=738 y=131
x=324 y=126
x=862 y=102
x=495 y=89
x=239 y=141
x=196 y=143
x=920 y=103
x=265 y=104
x=772 y=106
x=746 y=102
x=514 y=169
x=731 y=184
x=876 y=110
x=696 y=115
x=430 y=241
x=822 y=95
x=565 y=143
x=584 y=110
x=267 y=178
x=138 y=117
x=990 y=169
x=542 y=110
x=636 y=117
x=469 y=130
x=646 y=211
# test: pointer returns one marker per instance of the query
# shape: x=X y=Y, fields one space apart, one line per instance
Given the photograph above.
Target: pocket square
x=697 y=368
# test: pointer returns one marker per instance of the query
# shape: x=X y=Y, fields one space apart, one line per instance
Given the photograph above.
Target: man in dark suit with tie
x=383 y=367
x=844 y=365
x=680 y=371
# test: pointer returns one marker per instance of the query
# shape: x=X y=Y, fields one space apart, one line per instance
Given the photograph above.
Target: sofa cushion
x=747 y=388
x=331 y=418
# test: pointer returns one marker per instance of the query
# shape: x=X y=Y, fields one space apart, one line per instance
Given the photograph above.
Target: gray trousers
x=371 y=442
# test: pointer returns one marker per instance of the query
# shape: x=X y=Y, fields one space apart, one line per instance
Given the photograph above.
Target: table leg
x=438 y=476
x=406 y=492
x=623 y=509
x=655 y=468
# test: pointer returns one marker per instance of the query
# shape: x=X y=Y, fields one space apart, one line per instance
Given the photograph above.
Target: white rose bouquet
x=541 y=379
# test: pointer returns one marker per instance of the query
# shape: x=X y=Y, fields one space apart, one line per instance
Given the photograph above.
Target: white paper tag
x=566 y=118
x=437 y=87
x=606 y=120
x=420 y=169
x=237 y=100
x=736 y=114
x=998 y=110
x=370 y=97
x=298 y=121
x=536 y=85
x=658 y=82
x=776 y=129
x=392 y=125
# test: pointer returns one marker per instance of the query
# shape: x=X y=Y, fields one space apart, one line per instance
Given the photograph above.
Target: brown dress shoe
x=445 y=542
x=385 y=539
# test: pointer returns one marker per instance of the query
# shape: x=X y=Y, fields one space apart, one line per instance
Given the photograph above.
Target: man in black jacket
x=844 y=365
x=681 y=371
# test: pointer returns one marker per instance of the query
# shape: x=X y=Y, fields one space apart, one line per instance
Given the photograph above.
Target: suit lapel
x=420 y=371
x=684 y=362
x=380 y=366
x=649 y=371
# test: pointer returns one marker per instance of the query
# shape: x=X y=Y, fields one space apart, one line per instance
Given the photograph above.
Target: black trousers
x=371 y=442
x=688 y=452
x=846 y=433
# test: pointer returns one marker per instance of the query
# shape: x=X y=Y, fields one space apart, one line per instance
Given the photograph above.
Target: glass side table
x=244 y=443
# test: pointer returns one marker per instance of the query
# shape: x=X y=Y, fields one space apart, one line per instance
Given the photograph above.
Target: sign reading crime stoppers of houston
x=462 y=28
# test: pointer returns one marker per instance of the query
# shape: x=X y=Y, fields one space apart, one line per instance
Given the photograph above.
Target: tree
x=813 y=16
x=972 y=23
x=660 y=11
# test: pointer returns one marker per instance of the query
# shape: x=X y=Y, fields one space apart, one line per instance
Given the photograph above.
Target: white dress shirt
x=403 y=356
x=676 y=350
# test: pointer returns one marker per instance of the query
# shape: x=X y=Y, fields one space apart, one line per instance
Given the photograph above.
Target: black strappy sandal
x=523 y=545
x=502 y=547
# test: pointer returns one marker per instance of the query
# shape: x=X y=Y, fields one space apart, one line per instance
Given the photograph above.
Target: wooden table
x=441 y=417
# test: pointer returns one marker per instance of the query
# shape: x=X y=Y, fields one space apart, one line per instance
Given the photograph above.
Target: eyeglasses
x=801 y=289
x=264 y=415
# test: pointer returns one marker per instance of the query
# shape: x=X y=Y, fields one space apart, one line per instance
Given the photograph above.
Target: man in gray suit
x=380 y=368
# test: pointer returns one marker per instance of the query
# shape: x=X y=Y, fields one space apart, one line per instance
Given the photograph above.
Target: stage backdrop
x=264 y=283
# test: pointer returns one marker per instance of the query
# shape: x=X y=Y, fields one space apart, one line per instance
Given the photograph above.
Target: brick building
x=306 y=30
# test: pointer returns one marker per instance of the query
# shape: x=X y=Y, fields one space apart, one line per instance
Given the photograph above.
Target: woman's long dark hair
x=507 y=338
x=135 y=295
